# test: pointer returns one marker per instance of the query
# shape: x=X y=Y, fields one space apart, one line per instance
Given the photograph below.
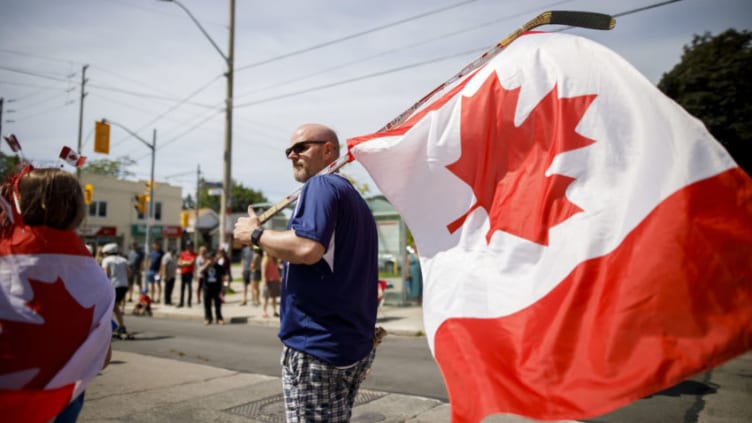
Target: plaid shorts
x=316 y=391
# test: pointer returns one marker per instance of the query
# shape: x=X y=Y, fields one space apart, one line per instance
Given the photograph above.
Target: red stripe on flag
x=674 y=299
x=34 y=405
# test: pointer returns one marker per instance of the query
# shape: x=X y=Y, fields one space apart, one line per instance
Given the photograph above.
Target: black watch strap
x=256 y=235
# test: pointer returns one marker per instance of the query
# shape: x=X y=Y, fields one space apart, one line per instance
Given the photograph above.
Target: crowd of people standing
x=154 y=276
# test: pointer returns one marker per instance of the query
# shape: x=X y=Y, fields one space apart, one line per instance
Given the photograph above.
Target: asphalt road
x=404 y=365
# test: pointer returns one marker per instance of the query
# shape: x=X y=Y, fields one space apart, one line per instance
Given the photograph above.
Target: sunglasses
x=300 y=147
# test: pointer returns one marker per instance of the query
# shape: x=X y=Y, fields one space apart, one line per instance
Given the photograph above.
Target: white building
x=112 y=215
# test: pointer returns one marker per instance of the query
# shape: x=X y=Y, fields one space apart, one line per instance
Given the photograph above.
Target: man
x=135 y=262
x=328 y=307
x=152 y=272
x=118 y=270
x=168 y=270
x=246 y=256
x=256 y=277
x=187 y=263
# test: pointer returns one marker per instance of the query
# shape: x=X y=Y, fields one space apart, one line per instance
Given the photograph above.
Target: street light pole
x=81 y=115
x=153 y=147
x=225 y=201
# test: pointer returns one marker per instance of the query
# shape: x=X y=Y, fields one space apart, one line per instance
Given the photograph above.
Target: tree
x=188 y=202
x=117 y=168
x=241 y=198
x=712 y=83
x=8 y=164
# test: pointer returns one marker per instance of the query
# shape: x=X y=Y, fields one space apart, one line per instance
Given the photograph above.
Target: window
x=157 y=211
x=98 y=209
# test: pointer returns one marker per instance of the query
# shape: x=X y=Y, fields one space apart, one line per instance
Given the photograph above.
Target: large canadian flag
x=55 y=312
x=584 y=241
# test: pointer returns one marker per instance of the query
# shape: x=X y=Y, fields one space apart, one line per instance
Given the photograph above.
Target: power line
x=146 y=95
x=354 y=79
x=37 y=74
x=355 y=35
x=129 y=79
x=177 y=137
x=417 y=64
x=402 y=48
x=641 y=9
x=36 y=56
x=374 y=74
x=184 y=100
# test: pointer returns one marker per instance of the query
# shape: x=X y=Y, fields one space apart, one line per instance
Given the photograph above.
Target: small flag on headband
x=13 y=143
x=73 y=158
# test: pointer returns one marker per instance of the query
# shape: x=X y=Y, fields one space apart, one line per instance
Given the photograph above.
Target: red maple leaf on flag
x=47 y=346
x=505 y=164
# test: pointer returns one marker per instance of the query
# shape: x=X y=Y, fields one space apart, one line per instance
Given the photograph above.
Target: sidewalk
x=142 y=388
x=406 y=320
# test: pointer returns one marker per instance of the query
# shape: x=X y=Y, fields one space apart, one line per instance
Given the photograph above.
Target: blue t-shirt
x=155 y=260
x=328 y=309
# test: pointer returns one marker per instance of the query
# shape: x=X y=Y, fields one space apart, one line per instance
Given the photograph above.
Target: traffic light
x=149 y=186
x=140 y=203
x=88 y=193
x=184 y=215
x=102 y=137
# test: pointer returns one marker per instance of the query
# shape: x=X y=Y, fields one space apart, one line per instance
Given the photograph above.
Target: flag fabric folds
x=584 y=241
x=55 y=312
x=70 y=156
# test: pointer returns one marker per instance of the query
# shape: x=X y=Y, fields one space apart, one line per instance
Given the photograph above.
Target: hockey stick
x=589 y=20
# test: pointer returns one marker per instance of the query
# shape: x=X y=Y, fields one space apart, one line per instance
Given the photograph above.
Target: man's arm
x=285 y=245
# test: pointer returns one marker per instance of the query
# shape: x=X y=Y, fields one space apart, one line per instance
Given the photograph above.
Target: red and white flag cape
x=55 y=312
x=584 y=241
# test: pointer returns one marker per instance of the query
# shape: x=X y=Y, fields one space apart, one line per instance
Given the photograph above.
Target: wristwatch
x=256 y=235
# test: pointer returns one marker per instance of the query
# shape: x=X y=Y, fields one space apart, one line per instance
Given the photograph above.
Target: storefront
x=96 y=236
x=167 y=235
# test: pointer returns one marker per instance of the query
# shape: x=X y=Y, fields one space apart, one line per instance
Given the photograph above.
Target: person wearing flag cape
x=55 y=329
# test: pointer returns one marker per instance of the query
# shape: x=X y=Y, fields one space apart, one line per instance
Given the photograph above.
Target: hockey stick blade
x=589 y=20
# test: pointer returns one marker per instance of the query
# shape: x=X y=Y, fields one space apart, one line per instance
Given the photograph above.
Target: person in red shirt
x=187 y=264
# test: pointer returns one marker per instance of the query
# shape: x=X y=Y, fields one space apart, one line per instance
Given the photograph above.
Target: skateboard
x=124 y=335
x=119 y=334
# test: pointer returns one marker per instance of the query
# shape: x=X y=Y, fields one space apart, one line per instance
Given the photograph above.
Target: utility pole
x=195 y=222
x=151 y=190
x=153 y=147
x=2 y=99
x=225 y=201
x=81 y=115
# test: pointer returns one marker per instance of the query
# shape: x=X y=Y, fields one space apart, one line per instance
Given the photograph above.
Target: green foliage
x=117 y=168
x=712 y=83
x=8 y=164
x=188 y=202
x=241 y=198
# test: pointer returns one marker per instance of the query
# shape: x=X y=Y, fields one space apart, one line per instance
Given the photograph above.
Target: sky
x=352 y=65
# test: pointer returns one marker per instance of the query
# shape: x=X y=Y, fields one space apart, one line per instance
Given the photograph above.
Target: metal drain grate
x=272 y=409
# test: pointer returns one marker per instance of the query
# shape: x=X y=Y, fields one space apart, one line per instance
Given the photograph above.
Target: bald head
x=317 y=131
x=312 y=147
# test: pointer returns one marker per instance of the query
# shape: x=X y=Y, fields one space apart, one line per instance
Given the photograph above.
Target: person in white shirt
x=116 y=268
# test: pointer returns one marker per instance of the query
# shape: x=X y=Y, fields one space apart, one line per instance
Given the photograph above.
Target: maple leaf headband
x=9 y=190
